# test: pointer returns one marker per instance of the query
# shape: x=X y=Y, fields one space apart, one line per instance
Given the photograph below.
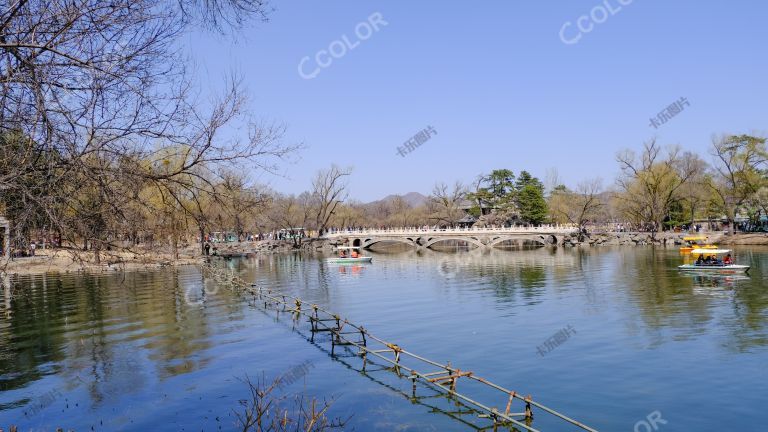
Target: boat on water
x=349 y=255
x=713 y=260
x=695 y=242
x=350 y=260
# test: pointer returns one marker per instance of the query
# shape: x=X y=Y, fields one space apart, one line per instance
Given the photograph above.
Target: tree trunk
x=202 y=239
x=96 y=256
x=731 y=214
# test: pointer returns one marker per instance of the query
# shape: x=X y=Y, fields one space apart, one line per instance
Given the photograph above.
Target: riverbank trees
x=102 y=134
x=651 y=181
x=739 y=173
x=668 y=186
x=579 y=206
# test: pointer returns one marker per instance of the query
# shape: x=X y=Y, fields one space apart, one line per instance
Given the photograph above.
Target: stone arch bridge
x=479 y=237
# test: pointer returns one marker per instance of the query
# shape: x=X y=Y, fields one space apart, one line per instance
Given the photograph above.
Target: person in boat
x=700 y=260
x=727 y=260
x=342 y=253
x=708 y=260
x=355 y=254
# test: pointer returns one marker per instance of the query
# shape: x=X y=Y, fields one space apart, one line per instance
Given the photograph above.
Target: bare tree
x=696 y=192
x=267 y=411
x=551 y=180
x=580 y=206
x=445 y=203
x=651 y=181
x=97 y=104
x=289 y=212
x=400 y=211
x=739 y=165
x=329 y=189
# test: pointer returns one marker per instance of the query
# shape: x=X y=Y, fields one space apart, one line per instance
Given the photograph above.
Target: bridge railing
x=544 y=229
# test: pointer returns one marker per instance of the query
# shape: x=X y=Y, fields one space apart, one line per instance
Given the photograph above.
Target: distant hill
x=414 y=199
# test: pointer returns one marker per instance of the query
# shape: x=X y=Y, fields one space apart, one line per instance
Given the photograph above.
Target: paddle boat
x=349 y=255
x=695 y=242
x=713 y=260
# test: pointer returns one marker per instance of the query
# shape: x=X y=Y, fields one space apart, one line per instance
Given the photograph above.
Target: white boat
x=349 y=259
x=718 y=266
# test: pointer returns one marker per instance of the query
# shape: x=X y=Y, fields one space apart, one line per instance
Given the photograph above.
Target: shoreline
x=64 y=260
x=665 y=239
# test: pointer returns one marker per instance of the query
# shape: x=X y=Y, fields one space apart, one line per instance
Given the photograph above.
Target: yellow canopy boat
x=695 y=242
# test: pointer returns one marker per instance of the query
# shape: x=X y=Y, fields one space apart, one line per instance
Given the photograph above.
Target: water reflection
x=108 y=335
x=114 y=341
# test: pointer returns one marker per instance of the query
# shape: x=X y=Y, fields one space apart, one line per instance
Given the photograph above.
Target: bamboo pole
x=318 y=324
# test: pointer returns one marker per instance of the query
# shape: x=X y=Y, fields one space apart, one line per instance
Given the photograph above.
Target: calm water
x=151 y=351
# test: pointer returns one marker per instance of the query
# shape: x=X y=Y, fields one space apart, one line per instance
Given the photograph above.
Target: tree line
x=101 y=131
x=662 y=187
x=104 y=142
x=659 y=188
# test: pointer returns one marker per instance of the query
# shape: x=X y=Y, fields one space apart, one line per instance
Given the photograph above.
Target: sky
x=522 y=85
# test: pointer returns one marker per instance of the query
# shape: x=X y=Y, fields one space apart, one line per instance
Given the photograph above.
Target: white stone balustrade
x=544 y=229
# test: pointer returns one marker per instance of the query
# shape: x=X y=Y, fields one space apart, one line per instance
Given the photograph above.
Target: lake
x=156 y=350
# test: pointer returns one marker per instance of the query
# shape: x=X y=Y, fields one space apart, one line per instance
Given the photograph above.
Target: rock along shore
x=662 y=239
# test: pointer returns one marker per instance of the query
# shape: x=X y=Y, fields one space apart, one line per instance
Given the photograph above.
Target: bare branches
x=265 y=411
x=651 y=182
x=739 y=164
x=329 y=189
x=104 y=134
x=445 y=203
x=219 y=15
x=580 y=206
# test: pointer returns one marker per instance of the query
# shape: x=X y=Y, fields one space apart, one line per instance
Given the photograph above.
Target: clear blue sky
x=497 y=83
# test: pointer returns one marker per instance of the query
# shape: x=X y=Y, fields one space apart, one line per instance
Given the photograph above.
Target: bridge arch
x=367 y=243
x=432 y=240
x=498 y=240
